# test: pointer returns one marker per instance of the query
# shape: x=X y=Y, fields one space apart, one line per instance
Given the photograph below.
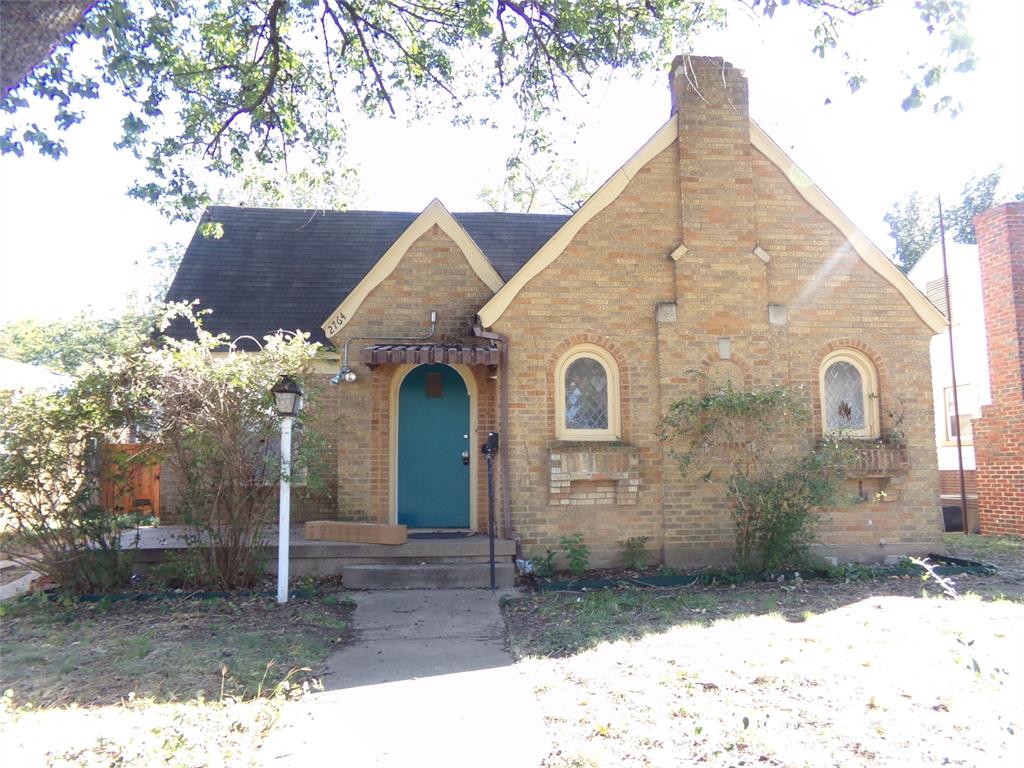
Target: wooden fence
x=131 y=479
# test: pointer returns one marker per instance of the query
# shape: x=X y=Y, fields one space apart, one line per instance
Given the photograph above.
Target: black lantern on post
x=288 y=395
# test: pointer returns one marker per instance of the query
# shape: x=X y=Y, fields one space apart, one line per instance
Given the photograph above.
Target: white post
x=285 y=509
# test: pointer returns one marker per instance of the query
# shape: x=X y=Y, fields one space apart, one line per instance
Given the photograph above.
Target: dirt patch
x=90 y=654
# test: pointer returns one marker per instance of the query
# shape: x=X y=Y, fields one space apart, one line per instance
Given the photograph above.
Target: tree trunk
x=29 y=33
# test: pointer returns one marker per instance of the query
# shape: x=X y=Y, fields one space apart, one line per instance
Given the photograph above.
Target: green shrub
x=634 y=552
x=51 y=468
x=756 y=445
x=544 y=567
x=220 y=434
x=577 y=554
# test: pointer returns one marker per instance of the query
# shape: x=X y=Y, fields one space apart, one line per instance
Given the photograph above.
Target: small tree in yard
x=51 y=445
x=219 y=430
x=757 y=446
x=211 y=410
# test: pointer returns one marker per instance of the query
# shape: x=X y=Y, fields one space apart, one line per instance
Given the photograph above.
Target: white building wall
x=971 y=353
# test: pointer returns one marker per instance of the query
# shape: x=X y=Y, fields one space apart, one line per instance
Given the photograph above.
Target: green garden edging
x=177 y=594
x=945 y=566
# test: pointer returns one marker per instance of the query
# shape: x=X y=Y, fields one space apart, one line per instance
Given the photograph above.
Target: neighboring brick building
x=708 y=251
x=999 y=433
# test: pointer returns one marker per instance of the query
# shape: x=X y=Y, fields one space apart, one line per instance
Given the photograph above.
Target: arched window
x=587 y=395
x=849 y=394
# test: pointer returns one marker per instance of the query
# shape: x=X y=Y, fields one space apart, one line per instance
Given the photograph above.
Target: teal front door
x=433 y=433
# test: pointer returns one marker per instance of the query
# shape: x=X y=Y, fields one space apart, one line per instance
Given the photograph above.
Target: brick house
x=709 y=250
x=999 y=433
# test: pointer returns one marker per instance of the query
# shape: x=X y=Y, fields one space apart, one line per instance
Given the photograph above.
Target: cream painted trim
x=611 y=369
x=323 y=363
x=396 y=385
x=433 y=214
x=867 y=250
x=597 y=202
x=869 y=382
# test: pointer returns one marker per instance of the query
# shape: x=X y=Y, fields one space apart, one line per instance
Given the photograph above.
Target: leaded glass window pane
x=586 y=395
x=844 y=397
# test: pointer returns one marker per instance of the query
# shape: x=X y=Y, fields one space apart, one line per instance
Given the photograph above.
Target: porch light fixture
x=288 y=396
x=346 y=375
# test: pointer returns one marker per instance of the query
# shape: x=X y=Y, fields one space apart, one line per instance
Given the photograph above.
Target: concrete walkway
x=18 y=586
x=426 y=682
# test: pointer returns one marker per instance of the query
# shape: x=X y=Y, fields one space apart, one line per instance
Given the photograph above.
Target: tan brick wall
x=601 y=290
x=720 y=197
x=433 y=275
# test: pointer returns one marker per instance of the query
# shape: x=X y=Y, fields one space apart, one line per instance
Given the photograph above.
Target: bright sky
x=69 y=238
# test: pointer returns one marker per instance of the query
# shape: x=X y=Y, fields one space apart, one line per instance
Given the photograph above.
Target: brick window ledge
x=879 y=460
x=590 y=474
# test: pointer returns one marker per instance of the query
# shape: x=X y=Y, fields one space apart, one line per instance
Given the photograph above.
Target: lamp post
x=288 y=396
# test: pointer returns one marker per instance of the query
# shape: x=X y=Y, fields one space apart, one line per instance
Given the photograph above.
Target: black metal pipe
x=488 y=450
x=506 y=480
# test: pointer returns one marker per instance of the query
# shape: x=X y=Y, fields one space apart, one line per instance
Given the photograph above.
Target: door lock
x=465 y=458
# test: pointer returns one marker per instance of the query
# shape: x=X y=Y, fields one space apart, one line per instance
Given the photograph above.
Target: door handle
x=465 y=458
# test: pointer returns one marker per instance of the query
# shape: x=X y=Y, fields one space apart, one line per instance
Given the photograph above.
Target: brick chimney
x=999 y=434
x=719 y=277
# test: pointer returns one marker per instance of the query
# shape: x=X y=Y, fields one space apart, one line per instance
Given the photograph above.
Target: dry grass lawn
x=876 y=673
x=166 y=682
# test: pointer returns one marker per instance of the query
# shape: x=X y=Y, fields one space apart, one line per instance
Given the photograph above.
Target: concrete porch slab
x=328 y=558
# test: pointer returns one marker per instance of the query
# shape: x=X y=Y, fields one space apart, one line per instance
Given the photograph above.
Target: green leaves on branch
x=67 y=345
x=216 y=86
x=914 y=222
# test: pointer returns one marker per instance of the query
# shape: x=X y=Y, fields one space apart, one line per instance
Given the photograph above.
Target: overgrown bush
x=220 y=431
x=758 y=446
x=51 y=468
x=211 y=410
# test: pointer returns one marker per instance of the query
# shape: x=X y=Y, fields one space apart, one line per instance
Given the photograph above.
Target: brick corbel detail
x=616 y=469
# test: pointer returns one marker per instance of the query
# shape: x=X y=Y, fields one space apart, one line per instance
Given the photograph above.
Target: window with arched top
x=849 y=394
x=587 y=395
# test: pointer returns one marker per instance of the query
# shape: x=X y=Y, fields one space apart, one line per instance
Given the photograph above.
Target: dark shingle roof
x=290 y=268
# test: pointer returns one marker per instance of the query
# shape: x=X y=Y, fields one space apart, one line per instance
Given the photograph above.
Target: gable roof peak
x=435 y=214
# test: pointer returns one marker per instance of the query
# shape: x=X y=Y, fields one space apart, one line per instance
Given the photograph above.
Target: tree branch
x=274 y=48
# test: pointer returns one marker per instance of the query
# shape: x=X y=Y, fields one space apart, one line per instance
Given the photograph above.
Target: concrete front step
x=426 y=575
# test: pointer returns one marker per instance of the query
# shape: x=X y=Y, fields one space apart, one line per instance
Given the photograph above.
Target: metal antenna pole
x=952 y=369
